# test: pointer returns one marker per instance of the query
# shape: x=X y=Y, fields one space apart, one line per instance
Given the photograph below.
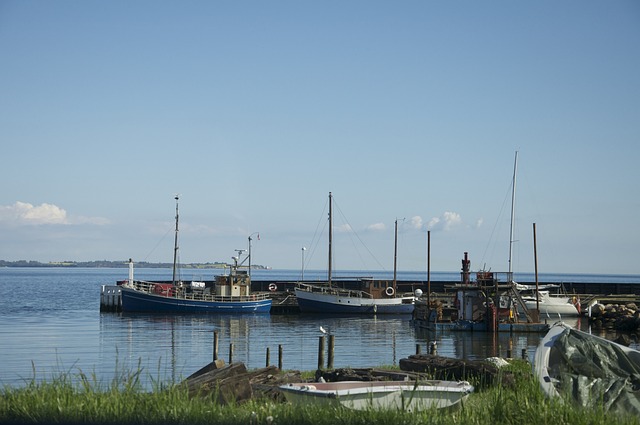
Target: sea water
x=51 y=325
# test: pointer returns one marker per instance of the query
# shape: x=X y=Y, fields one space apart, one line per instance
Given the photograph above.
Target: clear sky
x=253 y=111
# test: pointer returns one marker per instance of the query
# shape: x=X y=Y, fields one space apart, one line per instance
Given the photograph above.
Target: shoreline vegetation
x=75 y=398
x=118 y=264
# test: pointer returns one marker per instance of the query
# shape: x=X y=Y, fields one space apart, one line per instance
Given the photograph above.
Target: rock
x=623 y=340
x=621 y=317
x=497 y=361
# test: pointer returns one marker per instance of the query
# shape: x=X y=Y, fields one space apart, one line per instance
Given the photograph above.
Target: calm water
x=50 y=323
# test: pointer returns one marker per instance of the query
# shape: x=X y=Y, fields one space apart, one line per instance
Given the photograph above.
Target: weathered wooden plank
x=482 y=372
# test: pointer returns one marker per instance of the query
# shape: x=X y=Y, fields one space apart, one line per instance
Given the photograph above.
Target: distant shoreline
x=117 y=264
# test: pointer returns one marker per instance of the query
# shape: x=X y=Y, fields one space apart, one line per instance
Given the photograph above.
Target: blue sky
x=254 y=111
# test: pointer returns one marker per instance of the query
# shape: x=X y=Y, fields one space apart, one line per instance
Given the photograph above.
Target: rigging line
x=495 y=225
x=146 y=258
x=315 y=240
x=358 y=237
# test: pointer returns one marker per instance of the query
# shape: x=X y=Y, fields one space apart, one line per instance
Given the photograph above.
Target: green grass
x=75 y=399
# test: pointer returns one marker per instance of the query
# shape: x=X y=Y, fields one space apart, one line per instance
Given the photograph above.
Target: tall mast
x=330 y=237
x=175 y=245
x=395 y=256
x=513 y=209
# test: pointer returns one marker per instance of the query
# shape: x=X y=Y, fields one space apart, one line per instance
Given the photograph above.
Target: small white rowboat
x=403 y=395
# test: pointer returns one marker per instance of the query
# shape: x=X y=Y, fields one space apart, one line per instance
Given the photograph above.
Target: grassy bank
x=122 y=401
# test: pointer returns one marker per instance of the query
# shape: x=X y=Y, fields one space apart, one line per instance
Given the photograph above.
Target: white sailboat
x=370 y=297
x=551 y=305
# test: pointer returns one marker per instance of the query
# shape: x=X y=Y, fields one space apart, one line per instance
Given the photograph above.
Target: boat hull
x=468 y=326
x=137 y=301
x=396 y=395
x=328 y=303
x=554 y=309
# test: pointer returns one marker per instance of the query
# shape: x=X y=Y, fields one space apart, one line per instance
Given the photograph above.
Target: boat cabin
x=235 y=284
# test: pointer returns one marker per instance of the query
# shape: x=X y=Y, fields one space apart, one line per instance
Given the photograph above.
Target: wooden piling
x=266 y=363
x=280 y=356
x=418 y=348
x=321 y=352
x=331 y=349
x=215 y=345
x=231 y=353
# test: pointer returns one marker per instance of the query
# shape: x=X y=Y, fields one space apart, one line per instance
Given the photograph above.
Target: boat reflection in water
x=481 y=345
x=174 y=346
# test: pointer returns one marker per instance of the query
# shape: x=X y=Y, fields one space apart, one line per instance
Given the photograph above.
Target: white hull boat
x=399 y=395
x=553 y=306
x=370 y=297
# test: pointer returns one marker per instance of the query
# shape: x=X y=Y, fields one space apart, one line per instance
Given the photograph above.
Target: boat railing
x=181 y=292
x=326 y=289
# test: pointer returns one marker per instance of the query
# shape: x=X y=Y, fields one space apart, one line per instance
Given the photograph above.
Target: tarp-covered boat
x=589 y=370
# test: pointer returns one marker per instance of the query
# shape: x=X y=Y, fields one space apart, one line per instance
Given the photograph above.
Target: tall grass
x=77 y=398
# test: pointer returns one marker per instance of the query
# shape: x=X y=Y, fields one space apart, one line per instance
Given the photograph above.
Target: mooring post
x=418 y=348
x=525 y=355
x=321 y=352
x=331 y=349
x=215 y=345
x=231 y=353
x=267 y=359
x=280 y=356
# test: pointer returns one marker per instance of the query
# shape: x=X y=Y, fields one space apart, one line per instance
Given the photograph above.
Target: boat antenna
x=249 y=255
x=513 y=209
x=175 y=244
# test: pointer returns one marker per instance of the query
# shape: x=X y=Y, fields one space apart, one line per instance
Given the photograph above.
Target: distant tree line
x=114 y=264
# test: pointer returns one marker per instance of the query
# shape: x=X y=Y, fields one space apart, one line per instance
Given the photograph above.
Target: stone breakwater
x=622 y=317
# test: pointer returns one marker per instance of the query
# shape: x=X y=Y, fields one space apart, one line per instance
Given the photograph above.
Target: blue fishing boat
x=229 y=293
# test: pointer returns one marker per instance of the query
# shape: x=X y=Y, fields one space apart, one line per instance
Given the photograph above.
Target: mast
x=175 y=245
x=429 y=268
x=513 y=209
x=395 y=257
x=330 y=237
x=249 y=255
x=535 y=260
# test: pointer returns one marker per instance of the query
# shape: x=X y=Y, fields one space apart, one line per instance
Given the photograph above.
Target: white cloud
x=416 y=222
x=23 y=213
x=345 y=228
x=446 y=221
x=377 y=227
